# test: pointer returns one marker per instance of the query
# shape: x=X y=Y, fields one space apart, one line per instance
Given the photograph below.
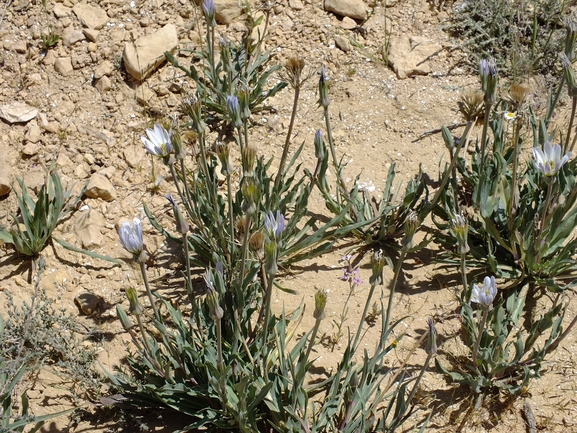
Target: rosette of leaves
x=511 y=234
x=509 y=354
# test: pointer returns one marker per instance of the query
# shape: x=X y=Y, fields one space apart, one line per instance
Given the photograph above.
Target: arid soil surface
x=90 y=120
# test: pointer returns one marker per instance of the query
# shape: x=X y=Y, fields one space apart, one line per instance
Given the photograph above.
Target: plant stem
x=188 y=274
x=244 y=247
x=266 y=320
x=219 y=344
x=148 y=291
x=302 y=369
x=336 y=163
x=573 y=107
x=480 y=334
x=484 y=134
x=288 y=139
x=231 y=217
x=546 y=205
x=464 y=277
x=392 y=288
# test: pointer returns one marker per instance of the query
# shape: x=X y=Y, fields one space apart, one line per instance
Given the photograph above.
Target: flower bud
x=244 y=102
x=274 y=225
x=248 y=160
x=411 y=225
x=256 y=243
x=209 y=12
x=432 y=338
x=320 y=148
x=460 y=229
x=488 y=73
x=570 y=39
x=181 y=225
x=215 y=311
x=320 y=304
x=233 y=109
x=135 y=307
x=193 y=108
x=377 y=265
x=271 y=254
x=324 y=100
x=250 y=193
x=223 y=153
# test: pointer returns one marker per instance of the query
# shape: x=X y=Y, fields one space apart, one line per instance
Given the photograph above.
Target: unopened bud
x=324 y=100
x=135 y=307
x=248 y=160
x=377 y=265
x=411 y=225
x=320 y=148
x=181 y=225
x=320 y=304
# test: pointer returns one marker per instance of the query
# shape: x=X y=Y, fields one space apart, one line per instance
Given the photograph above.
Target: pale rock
x=342 y=43
x=33 y=80
x=143 y=94
x=65 y=164
x=103 y=84
x=347 y=8
x=5 y=178
x=54 y=281
x=105 y=68
x=91 y=34
x=87 y=302
x=92 y=47
x=30 y=149
x=71 y=35
x=93 y=17
x=144 y=55
x=296 y=5
x=33 y=134
x=348 y=23
x=100 y=187
x=133 y=156
x=227 y=11
x=88 y=227
x=18 y=112
x=20 y=47
x=61 y=11
x=63 y=65
x=407 y=55
x=49 y=58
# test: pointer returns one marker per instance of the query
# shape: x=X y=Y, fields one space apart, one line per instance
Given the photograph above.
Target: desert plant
x=523 y=37
x=223 y=357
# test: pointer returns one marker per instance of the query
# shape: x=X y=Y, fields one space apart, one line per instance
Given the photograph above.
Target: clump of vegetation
x=524 y=37
x=34 y=336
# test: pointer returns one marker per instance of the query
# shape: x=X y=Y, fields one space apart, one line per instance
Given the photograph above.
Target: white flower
x=485 y=294
x=274 y=226
x=131 y=237
x=158 y=141
x=549 y=161
x=508 y=116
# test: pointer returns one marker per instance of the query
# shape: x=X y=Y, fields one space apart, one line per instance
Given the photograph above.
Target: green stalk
x=484 y=134
x=219 y=346
x=189 y=289
x=479 y=335
x=464 y=277
x=268 y=296
x=231 y=217
x=336 y=163
x=573 y=107
x=362 y=319
x=393 y=285
x=148 y=291
x=244 y=247
x=288 y=139
x=546 y=205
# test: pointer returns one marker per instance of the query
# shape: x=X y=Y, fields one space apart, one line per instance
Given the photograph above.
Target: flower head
x=209 y=12
x=508 y=116
x=233 y=110
x=485 y=294
x=158 y=141
x=377 y=265
x=131 y=236
x=274 y=225
x=488 y=73
x=181 y=225
x=549 y=160
x=460 y=229
x=324 y=100
x=432 y=340
x=320 y=148
x=320 y=304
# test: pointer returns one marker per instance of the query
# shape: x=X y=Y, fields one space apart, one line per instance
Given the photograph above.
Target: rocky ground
x=84 y=103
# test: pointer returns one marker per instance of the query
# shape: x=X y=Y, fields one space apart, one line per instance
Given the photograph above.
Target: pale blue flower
x=131 y=236
x=274 y=225
x=548 y=160
x=158 y=141
x=485 y=294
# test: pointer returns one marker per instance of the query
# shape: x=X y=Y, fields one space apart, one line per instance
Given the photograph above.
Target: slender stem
x=447 y=174
x=287 y=139
x=362 y=319
x=188 y=273
x=143 y=334
x=484 y=134
x=336 y=163
x=185 y=183
x=231 y=217
x=464 y=276
x=553 y=104
x=244 y=247
x=546 y=205
x=148 y=291
x=573 y=107
x=310 y=347
x=240 y=140
x=513 y=202
x=219 y=344
x=392 y=288
x=175 y=178
x=480 y=334
x=416 y=385
x=268 y=296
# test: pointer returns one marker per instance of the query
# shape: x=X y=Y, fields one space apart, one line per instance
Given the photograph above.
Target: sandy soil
x=376 y=119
